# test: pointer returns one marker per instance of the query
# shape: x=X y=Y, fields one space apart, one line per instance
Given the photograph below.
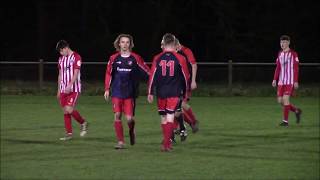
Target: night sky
x=246 y=31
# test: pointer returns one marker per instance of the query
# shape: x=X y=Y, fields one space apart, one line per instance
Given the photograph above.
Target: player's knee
x=286 y=100
x=280 y=101
x=68 y=110
x=163 y=119
x=117 y=115
x=185 y=106
x=129 y=118
x=177 y=114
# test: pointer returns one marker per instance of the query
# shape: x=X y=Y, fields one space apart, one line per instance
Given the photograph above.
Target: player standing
x=286 y=73
x=168 y=80
x=188 y=114
x=121 y=76
x=69 y=88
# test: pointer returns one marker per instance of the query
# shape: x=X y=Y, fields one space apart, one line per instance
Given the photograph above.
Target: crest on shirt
x=129 y=63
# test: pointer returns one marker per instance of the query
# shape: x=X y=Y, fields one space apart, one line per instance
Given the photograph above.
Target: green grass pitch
x=239 y=138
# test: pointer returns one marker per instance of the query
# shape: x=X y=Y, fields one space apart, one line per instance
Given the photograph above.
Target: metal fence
x=230 y=65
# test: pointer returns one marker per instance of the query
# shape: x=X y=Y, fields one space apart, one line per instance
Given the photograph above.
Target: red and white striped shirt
x=287 y=69
x=67 y=65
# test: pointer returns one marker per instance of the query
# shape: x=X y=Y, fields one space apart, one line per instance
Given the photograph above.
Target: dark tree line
x=216 y=30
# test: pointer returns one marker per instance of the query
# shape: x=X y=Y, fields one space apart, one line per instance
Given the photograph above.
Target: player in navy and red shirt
x=185 y=112
x=121 y=79
x=168 y=80
x=69 y=88
x=286 y=73
x=188 y=114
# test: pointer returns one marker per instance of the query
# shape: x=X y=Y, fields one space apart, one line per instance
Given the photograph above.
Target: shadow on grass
x=33 y=128
x=20 y=141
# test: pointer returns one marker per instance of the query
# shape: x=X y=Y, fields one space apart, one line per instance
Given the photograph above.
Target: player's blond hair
x=167 y=39
x=117 y=41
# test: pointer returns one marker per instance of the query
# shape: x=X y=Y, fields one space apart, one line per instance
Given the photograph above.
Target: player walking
x=286 y=73
x=188 y=114
x=69 y=88
x=121 y=76
x=168 y=80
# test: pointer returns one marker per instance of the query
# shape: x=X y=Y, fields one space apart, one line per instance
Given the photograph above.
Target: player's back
x=169 y=80
x=188 y=55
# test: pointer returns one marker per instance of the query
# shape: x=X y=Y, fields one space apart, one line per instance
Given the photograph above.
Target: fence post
x=230 y=74
x=40 y=74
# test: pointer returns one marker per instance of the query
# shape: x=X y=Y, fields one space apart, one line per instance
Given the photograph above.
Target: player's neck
x=286 y=50
x=70 y=52
x=169 y=49
x=125 y=53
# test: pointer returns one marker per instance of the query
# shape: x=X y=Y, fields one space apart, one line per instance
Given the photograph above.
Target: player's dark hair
x=169 y=38
x=61 y=44
x=117 y=41
x=285 y=37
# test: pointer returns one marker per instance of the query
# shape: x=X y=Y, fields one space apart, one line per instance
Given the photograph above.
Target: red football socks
x=119 y=130
x=76 y=115
x=67 y=123
x=189 y=116
x=286 y=109
x=131 y=125
x=292 y=108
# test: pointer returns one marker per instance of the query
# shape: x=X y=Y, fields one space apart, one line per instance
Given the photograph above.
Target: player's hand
x=274 y=83
x=68 y=89
x=193 y=85
x=150 y=98
x=106 y=95
x=296 y=85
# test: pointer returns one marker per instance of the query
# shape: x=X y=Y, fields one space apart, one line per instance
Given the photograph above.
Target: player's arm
x=108 y=78
x=59 y=81
x=194 y=76
x=194 y=66
x=152 y=80
x=185 y=72
x=276 y=73
x=296 y=72
x=142 y=65
x=75 y=76
x=76 y=71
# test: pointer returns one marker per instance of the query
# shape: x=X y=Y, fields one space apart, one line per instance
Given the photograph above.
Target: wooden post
x=40 y=74
x=230 y=74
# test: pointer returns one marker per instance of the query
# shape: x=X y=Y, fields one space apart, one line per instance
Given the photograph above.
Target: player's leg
x=169 y=130
x=70 y=108
x=178 y=123
x=171 y=106
x=117 y=109
x=289 y=92
x=66 y=117
x=189 y=117
x=182 y=130
x=178 y=115
x=163 y=124
x=280 y=99
x=161 y=103
x=286 y=108
x=129 y=106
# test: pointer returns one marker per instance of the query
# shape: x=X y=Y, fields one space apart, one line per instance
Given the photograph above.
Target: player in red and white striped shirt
x=286 y=73
x=69 y=87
